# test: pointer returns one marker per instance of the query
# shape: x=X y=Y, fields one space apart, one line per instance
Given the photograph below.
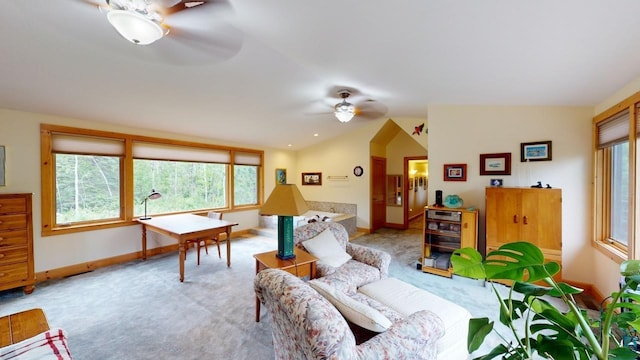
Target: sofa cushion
x=326 y=248
x=354 y=311
x=408 y=299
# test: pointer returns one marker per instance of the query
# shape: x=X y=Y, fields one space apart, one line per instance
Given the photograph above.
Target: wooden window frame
x=601 y=211
x=126 y=218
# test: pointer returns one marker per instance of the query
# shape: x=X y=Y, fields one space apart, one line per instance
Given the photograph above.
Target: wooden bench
x=23 y=325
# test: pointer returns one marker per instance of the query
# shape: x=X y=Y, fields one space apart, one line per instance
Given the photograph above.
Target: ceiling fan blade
x=189 y=4
x=102 y=5
x=370 y=109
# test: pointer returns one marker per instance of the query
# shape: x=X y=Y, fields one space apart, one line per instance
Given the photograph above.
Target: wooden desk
x=304 y=264
x=183 y=227
x=21 y=326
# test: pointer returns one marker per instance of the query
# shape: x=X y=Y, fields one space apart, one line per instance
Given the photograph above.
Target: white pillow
x=326 y=248
x=354 y=311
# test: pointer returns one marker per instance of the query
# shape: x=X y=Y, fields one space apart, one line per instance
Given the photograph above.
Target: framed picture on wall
x=455 y=172
x=281 y=176
x=495 y=164
x=410 y=183
x=535 y=151
x=312 y=178
x=2 y=160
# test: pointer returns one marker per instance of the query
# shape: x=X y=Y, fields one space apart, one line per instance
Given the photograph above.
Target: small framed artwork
x=2 y=160
x=281 y=176
x=312 y=178
x=415 y=184
x=421 y=181
x=535 y=151
x=425 y=183
x=496 y=183
x=410 y=183
x=495 y=164
x=455 y=172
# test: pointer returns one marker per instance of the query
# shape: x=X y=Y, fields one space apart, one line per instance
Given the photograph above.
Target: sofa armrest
x=416 y=334
x=370 y=256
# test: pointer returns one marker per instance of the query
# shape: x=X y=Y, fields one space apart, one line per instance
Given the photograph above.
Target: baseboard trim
x=88 y=266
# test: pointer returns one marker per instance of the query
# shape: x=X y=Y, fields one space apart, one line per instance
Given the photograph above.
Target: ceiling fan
x=351 y=107
x=142 y=22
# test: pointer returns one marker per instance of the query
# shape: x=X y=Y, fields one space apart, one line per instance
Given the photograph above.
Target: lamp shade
x=285 y=200
x=135 y=27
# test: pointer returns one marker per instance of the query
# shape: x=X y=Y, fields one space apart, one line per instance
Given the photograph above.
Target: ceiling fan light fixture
x=135 y=27
x=344 y=111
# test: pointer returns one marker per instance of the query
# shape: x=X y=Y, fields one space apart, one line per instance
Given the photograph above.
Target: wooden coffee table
x=304 y=264
x=21 y=326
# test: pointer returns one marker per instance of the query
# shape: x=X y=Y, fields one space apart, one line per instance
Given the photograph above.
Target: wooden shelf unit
x=444 y=231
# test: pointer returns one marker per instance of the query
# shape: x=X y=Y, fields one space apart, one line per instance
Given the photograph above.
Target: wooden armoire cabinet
x=525 y=214
x=16 y=242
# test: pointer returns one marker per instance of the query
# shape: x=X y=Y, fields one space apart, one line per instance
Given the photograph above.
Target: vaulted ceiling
x=266 y=72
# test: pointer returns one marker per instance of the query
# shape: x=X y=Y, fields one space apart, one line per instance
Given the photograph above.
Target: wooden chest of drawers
x=16 y=242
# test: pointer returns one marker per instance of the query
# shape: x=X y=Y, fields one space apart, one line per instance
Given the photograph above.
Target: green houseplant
x=545 y=331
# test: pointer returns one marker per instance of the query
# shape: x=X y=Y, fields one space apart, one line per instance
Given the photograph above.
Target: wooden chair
x=204 y=242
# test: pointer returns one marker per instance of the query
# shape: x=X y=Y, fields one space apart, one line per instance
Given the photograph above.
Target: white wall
x=339 y=156
x=459 y=134
x=20 y=134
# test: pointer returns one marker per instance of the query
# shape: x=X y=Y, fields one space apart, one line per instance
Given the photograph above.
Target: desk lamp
x=286 y=202
x=154 y=195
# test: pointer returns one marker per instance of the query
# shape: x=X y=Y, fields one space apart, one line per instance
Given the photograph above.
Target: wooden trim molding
x=89 y=266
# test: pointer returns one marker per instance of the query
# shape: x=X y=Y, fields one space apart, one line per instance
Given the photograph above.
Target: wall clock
x=357 y=171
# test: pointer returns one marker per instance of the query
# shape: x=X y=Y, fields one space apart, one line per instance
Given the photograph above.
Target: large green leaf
x=565 y=289
x=623 y=353
x=630 y=268
x=518 y=261
x=554 y=348
x=530 y=289
x=500 y=349
x=467 y=262
x=479 y=328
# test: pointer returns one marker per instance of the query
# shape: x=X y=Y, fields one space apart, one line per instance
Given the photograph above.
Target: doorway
x=416 y=171
x=378 y=192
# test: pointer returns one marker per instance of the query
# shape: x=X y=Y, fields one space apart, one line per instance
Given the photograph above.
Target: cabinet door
x=542 y=219
x=503 y=215
x=468 y=231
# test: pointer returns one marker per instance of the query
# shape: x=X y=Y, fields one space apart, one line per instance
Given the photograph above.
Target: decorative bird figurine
x=418 y=129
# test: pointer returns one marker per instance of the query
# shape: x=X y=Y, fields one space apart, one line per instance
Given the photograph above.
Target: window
x=87 y=188
x=620 y=194
x=185 y=186
x=614 y=178
x=93 y=179
x=244 y=185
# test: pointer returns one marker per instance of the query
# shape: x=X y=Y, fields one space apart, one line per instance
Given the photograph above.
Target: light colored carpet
x=140 y=310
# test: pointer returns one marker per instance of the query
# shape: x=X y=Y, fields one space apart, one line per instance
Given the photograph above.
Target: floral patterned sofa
x=365 y=266
x=305 y=325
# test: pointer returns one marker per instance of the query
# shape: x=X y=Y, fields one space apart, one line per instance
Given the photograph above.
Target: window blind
x=86 y=145
x=247 y=158
x=614 y=130
x=155 y=151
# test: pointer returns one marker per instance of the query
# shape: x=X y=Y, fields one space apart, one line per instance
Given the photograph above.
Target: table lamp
x=286 y=202
x=154 y=195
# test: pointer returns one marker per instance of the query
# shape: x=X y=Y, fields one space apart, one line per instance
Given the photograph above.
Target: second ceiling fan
x=349 y=107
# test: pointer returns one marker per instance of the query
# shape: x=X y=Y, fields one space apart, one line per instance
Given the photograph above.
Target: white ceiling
x=260 y=71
